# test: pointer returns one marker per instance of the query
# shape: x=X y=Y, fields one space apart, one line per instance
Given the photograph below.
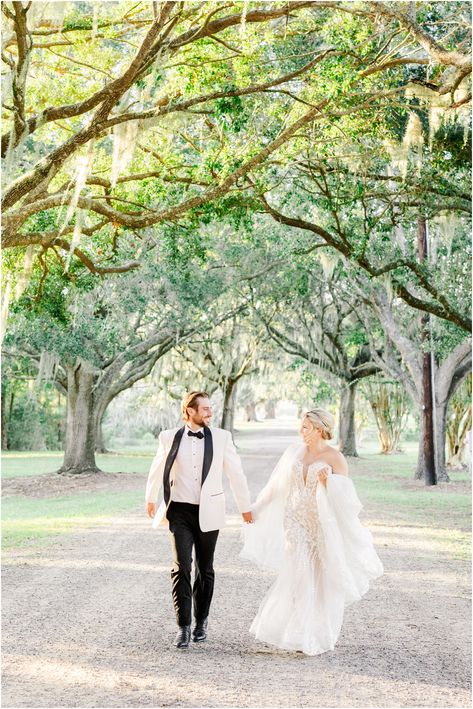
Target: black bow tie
x=197 y=434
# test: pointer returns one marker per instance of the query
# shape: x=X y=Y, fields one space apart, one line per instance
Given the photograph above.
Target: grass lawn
x=401 y=464
x=16 y=463
x=26 y=519
x=437 y=515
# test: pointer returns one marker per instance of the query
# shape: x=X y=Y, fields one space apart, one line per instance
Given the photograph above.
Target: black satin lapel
x=169 y=463
x=208 y=453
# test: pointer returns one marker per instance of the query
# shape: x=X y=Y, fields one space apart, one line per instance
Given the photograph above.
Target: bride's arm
x=337 y=465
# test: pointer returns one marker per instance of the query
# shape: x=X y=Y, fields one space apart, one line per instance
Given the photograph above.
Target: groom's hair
x=190 y=401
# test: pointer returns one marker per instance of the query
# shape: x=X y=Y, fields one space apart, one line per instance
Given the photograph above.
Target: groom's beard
x=202 y=422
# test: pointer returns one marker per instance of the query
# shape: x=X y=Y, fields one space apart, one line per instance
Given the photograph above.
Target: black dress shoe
x=200 y=631
x=183 y=637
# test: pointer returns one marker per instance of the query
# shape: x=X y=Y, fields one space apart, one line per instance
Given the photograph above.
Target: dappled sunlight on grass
x=418 y=504
x=11 y=455
x=450 y=542
x=24 y=463
x=20 y=531
x=24 y=519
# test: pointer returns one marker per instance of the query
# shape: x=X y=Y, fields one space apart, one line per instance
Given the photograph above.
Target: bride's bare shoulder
x=337 y=461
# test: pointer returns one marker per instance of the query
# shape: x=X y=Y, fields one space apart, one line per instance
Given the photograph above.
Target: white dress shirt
x=188 y=469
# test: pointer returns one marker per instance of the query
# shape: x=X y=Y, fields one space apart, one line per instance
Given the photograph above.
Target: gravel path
x=88 y=622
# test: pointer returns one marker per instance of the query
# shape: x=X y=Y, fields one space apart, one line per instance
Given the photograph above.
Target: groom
x=189 y=465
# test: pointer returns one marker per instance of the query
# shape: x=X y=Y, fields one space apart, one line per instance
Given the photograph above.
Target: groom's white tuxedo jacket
x=220 y=457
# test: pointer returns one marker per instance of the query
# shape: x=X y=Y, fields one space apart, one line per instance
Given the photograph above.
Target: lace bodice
x=301 y=522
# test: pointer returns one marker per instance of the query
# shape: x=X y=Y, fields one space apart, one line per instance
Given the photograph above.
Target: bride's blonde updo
x=323 y=420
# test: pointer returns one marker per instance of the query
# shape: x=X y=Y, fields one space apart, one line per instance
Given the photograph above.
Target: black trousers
x=186 y=535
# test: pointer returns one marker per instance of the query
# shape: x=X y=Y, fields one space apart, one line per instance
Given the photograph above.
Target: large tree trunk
x=427 y=397
x=79 y=454
x=228 y=412
x=428 y=442
x=447 y=378
x=4 y=420
x=440 y=430
x=438 y=445
x=100 y=446
x=346 y=423
x=100 y=410
x=420 y=472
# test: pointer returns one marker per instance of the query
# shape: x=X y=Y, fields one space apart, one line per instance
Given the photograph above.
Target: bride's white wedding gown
x=325 y=557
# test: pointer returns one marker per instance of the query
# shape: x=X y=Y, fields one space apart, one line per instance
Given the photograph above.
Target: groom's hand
x=248 y=517
x=151 y=509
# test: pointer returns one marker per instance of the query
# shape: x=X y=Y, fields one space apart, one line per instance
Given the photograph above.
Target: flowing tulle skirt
x=301 y=611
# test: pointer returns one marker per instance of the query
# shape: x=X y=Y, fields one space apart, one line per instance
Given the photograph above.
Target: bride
x=306 y=526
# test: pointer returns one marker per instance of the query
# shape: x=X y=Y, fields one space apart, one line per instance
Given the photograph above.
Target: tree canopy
x=122 y=116
x=232 y=169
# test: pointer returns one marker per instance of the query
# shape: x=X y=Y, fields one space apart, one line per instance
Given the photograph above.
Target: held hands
x=151 y=511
